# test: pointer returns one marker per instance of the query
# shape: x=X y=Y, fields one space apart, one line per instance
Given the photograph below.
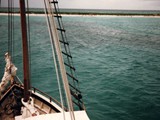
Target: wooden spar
x=25 y=51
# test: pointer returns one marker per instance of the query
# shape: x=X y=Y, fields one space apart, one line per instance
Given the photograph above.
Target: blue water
x=117 y=62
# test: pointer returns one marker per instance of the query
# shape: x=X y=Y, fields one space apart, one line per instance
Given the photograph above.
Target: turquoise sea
x=117 y=60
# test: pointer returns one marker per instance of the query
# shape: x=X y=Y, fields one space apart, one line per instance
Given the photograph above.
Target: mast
x=25 y=50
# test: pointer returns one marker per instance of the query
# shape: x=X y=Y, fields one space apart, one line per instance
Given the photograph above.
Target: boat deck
x=10 y=103
x=79 y=115
x=10 y=106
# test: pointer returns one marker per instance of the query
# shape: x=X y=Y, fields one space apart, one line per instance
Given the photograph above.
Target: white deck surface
x=79 y=115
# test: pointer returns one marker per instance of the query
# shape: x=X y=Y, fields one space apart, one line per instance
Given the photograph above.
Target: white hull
x=79 y=115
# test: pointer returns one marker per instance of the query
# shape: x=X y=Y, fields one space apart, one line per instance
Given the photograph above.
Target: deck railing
x=51 y=99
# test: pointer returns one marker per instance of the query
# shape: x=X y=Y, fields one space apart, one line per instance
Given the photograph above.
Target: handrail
x=49 y=97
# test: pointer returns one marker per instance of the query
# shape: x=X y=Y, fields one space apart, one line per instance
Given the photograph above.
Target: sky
x=100 y=4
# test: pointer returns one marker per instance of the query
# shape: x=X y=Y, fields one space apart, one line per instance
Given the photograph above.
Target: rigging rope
x=11 y=28
x=53 y=54
x=72 y=75
x=66 y=48
x=8 y=26
x=62 y=70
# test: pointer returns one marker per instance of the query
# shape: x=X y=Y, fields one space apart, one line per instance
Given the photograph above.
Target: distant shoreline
x=92 y=15
x=91 y=12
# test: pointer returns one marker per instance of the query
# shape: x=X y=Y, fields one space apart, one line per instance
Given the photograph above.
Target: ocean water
x=117 y=60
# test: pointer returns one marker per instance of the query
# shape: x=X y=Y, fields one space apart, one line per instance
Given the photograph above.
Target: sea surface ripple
x=116 y=59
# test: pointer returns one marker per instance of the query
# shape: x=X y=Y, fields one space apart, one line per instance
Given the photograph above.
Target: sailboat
x=22 y=101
